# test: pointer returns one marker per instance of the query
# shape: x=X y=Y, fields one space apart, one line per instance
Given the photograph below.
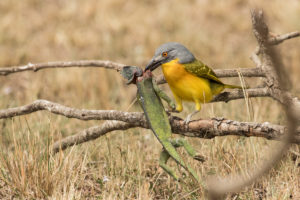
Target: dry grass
x=124 y=165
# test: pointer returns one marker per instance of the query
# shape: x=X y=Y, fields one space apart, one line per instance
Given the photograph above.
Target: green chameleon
x=149 y=96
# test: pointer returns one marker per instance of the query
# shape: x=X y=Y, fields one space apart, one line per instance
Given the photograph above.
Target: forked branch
x=271 y=65
x=199 y=128
x=206 y=128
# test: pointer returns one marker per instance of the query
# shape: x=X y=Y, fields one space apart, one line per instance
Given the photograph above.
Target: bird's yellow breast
x=186 y=85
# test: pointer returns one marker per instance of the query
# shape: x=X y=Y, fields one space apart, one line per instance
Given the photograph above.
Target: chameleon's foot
x=199 y=158
x=169 y=171
x=189 y=117
x=164 y=157
x=172 y=111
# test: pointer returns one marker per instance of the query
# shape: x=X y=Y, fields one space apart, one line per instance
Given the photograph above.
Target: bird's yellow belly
x=185 y=85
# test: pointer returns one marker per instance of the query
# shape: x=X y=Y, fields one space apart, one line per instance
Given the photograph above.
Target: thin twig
x=90 y=134
x=280 y=38
x=254 y=57
x=61 y=64
x=69 y=112
x=239 y=94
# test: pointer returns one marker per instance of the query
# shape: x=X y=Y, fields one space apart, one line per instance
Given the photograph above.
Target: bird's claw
x=187 y=119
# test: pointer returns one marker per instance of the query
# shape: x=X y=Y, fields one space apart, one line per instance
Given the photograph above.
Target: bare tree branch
x=204 y=128
x=246 y=72
x=83 y=114
x=90 y=134
x=69 y=112
x=272 y=67
x=239 y=94
x=254 y=57
x=280 y=38
x=61 y=64
x=199 y=128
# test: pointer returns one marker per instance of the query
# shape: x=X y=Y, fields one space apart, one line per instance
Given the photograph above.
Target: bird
x=188 y=78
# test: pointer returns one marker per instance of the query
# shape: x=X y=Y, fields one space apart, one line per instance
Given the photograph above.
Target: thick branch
x=274 y=72
x=276 y=78
x=208 y=128
x=199 y=128
x=84 y=114
x=61 y=64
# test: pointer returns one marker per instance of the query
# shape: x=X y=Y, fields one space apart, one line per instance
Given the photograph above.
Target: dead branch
x=239 y=94
x=246 y=72
x=272 y=67
x=83 y=114
x=199 y=128
x=280 y=38
x=61 y=64
x=206 y=128
x=90 y=134
x=69 y=112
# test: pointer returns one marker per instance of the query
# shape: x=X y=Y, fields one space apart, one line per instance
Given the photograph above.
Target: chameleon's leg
x=178 y=142
x=175 y=144
x=163 y=159
x=163 y=95
x=168 y=146
x=197 y=109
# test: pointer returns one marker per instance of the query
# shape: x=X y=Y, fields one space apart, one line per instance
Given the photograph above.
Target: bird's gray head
x=168 y=52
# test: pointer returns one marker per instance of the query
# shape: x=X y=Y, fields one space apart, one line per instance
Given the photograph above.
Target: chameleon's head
x=168 y=52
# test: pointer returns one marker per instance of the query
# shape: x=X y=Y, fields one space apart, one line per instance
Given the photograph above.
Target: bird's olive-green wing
x=201 y=70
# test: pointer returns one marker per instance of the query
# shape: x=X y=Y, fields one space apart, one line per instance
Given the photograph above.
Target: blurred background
x=124 y=165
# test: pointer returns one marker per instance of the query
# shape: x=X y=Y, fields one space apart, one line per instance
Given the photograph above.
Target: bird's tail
x=233 y=86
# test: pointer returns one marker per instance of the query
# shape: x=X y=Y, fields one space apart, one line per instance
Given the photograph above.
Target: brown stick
x=136 y=119
x=61 y=64
x=239 y=94
x=280 y=38
x=199 y=128
x=90 y=134
x=207 y=128
x=69 y=112
x=246 y=72
x=271 y=66
x=83 y=114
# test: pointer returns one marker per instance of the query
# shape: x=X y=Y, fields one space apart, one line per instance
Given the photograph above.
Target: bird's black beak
x=155 y=63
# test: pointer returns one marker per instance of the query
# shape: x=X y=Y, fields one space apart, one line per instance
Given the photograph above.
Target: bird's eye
x=165 y=54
